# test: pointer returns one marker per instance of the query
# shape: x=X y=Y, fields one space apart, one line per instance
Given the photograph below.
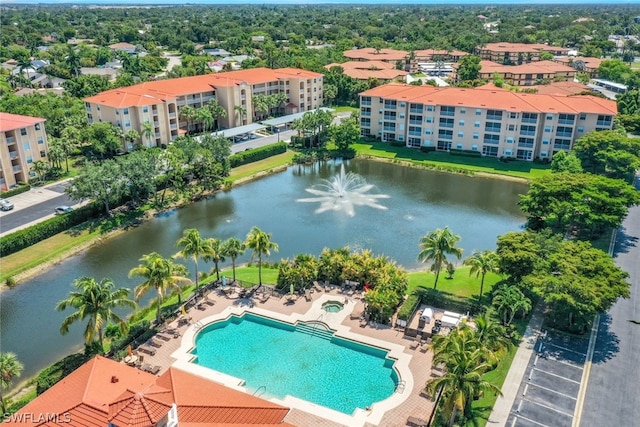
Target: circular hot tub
x=332 y=306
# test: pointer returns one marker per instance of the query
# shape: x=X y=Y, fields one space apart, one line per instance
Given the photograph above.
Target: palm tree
x=482 y=263
x=436 y=246
x=233 y=248
x=10 y=368
x=462 y=381
x=490 y=333
x=194 y=247
x=70 y=138
x=187 y=113
x=160 y=274
x=260 y=105
x=240 y=112
x=95 y=300
x=39 y=167
x=217 y=111
x=508 y=301
x=147 y=131
x=260 y=243
x=216 y=255
x=204 y=116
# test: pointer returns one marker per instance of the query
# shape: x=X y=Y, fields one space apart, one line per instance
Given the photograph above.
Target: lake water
x=478 y=209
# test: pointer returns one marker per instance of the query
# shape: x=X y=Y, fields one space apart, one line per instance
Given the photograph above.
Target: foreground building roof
x=10 y=121
x=494 y=98
x=103 y=392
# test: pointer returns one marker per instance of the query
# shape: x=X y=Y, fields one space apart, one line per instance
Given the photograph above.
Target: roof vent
x=114 y=379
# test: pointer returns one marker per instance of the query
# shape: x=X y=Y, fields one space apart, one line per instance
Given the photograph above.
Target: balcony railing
x=11 y=139
x=13 y=155
x=415 y=133
x=564 y=134
x=390 y=128
x=365 y=102
x=529 y=120
x=171 y=116
x=416 y=110
x=447 y=113
x=173 y=126
x=562 y=146
x=17 y=168
x=566 y=121
x=493 y=117
x=603 y=122
x=446 y=125
x=415 y=122
x=365 y=114
x=525 y=144
x=390 y=106
x=528 y=132
x=389 y=117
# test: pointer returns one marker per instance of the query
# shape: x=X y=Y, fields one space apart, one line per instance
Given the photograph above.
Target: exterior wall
x=307 y=93
x=528 y=79
x=495 y=133
x=18 y=152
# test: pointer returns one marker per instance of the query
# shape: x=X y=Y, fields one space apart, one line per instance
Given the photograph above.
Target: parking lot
x=548 y=392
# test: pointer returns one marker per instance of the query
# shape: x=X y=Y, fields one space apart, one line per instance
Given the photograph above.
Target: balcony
x=603 y=123
x=447 y=113
x=13 y=155
x=528 y=132
x=173 y=126
x=416 y=110
x=180 y=102
x=389 y=128
x=365 y=102
x=365 y=114
x=415 y=133
x=525 y=144
x=171 y=116
x=17 y=168
x=415 y=122
x=446 y=125
x=208 y=98
x=493 y=117
x=389 y=117
x=564 y=134
x=529 y=120
x=566 y=121
x=491 y=141
x=390 y=107
x=11 y=139
x=157 y=134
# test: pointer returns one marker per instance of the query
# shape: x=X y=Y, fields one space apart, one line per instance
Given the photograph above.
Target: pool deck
x=393 y=411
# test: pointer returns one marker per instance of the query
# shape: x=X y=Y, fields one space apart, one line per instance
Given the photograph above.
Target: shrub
x=54 y=373
x=10 y=282
x=465 y=153
x=138 y=333
x=397 y=144
x=409 y=305
x=22 y=188
x=256 y=154
x=17 y=405
x=427 y=149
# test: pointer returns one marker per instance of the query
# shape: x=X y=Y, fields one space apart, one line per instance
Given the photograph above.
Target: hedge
x=49 y=376
x=426 y=149
x=397 y=144
x=138 y=333
x=465 y=153
x=255 y=154
x=23 y=188
x=409 y=306
x=26 y=237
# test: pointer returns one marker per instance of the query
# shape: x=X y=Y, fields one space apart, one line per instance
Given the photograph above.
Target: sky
x=437 y=2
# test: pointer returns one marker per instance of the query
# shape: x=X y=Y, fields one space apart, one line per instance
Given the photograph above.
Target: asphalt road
x=613 y=394
x=26 y=212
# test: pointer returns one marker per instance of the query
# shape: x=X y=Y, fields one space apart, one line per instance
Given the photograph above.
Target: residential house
x=103 y=392
x=123 y=47
x=217 y=52
x=517 y=53
x=496 y=123
x=111 y=73
x=159 y=103
x=23 y=141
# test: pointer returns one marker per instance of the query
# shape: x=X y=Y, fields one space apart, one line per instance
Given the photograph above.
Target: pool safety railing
x=198 y=325
x=400 y=386
x=263 y=388
x=315 y=325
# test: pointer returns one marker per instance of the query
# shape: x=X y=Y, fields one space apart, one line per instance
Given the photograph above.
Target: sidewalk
x=503 y=405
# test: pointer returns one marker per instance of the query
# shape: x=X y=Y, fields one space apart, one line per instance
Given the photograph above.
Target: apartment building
x=525 y=74
x=23 y=141
x=517 y=53
x=365 y=70
x=492 y=121
x=153 y=108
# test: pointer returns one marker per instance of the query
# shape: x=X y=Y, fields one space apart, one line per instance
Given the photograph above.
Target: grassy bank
x=447 y=162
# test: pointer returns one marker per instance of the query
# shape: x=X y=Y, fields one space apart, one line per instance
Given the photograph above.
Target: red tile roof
x=370 y=54
x=364 y=70
x=149 y=93
x=496 y=99
x=10 y=121
x=519 y=47
x=530 y=68
x=122 y=45
x=429 y=53
x=103 y=391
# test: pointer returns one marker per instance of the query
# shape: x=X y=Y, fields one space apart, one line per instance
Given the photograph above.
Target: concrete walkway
x=503 y=405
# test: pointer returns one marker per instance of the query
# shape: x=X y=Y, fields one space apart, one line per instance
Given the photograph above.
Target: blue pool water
x=300 y=361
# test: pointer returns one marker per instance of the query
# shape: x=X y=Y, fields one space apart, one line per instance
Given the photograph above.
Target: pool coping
x=372 y=415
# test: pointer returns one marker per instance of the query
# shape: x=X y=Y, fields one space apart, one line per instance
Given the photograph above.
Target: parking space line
x=548 y=407
x=573 y=365
x=565 y=348
x=527 y=419
x=552 y=390
x=555 y=375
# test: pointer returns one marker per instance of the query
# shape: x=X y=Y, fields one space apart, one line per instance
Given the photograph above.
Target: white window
x=508 y=152
x=461 y=122
x=463 y=111
x=510 y=140
x=478 y=112
x=476 y=135
x=545 y=141
x=474 y=147
x=549 y=116
x=476 y=124
x=429 y=107
x=548 y=128
x=544 y=154
x=460 y=134
x=580 y=128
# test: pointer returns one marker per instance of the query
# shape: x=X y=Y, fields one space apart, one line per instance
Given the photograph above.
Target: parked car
x=61 y=210
x=6 y=205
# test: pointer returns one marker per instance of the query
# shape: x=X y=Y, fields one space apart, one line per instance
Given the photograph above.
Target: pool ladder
x=260 y=388
x=400 y=386
x=315 y=325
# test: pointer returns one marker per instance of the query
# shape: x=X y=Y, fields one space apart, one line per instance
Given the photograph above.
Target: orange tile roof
x=103 y=391
x=496 y=99
x=590 y=62
x=560 y=88
x=154 y=92
x=519 y=47
x=122 y=45
x=369 y=54
x=435 y=52
x=10 y=121
x=530 y=68
x=364 y=70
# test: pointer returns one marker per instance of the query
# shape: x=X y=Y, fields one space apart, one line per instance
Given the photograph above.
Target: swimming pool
x=305 y=361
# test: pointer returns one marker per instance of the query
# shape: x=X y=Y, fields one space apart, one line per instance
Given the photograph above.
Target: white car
x=6 y=205
x=61 y=210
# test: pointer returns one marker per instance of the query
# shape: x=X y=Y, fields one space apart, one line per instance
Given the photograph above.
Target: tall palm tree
x=194 y=247
x=10 y=368
x=39 y=167
x=260 y=243
x=462 y=382
x=217 y=111
x=188 y=113
x=482 y=263
x=260 y=105
x=435 y=247
x=147 y=131
x=159 y=274
x=233 y=248
x=508 y=301
x=95 y=300
x=216 y=255
x=491 y=334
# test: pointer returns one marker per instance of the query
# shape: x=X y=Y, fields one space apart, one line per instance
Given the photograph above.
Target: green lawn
x=441 y=160
x=345 y=109
x=264 y=165
x=250 y=274
x=462 y=285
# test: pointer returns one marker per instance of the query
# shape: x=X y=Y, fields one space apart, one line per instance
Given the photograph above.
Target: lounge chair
x=317 y=287
x=163 y=337
x=416 y=422
x=265 y=297
x=416 y=343
x=154 y=343
x=424 y=347
x=307 y=296
x=147 y=349
x=355 y=316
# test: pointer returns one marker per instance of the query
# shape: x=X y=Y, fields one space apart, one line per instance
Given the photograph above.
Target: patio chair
x=317 y=286
x=265 y=297
x=155 y=369
x=147 y=349
x=416 y=422
x=416 y=343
